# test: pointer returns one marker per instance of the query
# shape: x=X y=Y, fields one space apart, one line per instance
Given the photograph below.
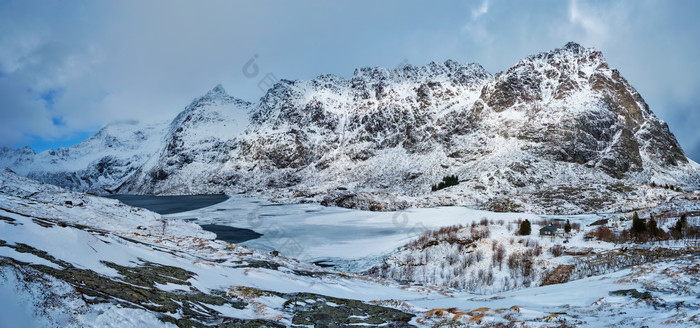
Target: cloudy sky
x=69 y=67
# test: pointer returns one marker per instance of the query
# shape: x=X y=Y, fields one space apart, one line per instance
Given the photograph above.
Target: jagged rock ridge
x=558 y=132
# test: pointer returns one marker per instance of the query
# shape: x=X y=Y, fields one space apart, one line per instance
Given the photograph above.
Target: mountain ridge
x=560 y=131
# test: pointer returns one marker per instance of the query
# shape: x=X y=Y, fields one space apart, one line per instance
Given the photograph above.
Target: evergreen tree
x=682 y=224
x=567 y=226
x=525 y=228
x=638 y=226
x=652 y=228
x=447 y=181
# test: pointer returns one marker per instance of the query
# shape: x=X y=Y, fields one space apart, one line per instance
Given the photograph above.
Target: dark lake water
x=231 y=234
x=170 y=204
x=175 y=204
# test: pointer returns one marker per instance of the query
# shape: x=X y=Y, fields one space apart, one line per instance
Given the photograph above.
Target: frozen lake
x=350 y=239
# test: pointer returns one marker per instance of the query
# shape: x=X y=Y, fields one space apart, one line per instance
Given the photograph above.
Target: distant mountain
x=559 y=132
x=95 y=165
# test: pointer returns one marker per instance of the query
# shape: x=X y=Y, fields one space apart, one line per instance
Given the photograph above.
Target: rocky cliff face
x=194 y=148
x=579 y=110
x=558 y=132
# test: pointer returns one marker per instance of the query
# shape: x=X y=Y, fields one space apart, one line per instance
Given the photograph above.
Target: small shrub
x=537 y=250
x=499 y=255
x=470 y=259
x=605 y=234
x=576 y=226
x=557 y=250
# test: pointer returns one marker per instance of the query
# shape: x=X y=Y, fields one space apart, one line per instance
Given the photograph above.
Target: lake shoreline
x=165 y=205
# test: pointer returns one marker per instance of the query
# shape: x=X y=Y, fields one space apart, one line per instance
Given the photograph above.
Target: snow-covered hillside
x=73 y=260
x=559 y=132
x=80 y=260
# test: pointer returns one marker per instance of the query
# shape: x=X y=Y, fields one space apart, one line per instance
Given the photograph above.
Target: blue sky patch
x=49 y=97
x=40 y=144
x=58 y=121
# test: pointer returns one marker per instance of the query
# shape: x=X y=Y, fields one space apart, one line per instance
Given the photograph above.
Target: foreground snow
x=60 y=261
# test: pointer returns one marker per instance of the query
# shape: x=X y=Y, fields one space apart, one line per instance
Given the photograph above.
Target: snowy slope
x=96 y=240
x=94 y=262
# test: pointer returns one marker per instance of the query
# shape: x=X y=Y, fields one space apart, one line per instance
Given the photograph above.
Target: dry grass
x=477 y=318
x=479 y=310
x=550 y=317
x=439 y=312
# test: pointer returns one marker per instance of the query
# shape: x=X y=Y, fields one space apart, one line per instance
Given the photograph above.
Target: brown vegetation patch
x=559 y=275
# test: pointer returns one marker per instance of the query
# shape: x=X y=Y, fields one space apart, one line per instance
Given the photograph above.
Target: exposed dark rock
x=325 y=311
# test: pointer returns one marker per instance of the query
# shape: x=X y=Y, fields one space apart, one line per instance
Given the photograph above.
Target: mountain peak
x=569 y=60
x=217 y=95
x=217 y=92
x=28 y=150
x=580 y=53
x=573 y=46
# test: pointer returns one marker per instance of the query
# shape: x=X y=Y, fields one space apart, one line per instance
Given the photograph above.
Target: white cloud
x=147 y=59
x=476 y=27
x=481 y=10
x=593 y=22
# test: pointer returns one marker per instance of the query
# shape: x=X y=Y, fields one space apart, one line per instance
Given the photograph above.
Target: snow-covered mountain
x=196 y=145
x=98 y=164
x=558 y=132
